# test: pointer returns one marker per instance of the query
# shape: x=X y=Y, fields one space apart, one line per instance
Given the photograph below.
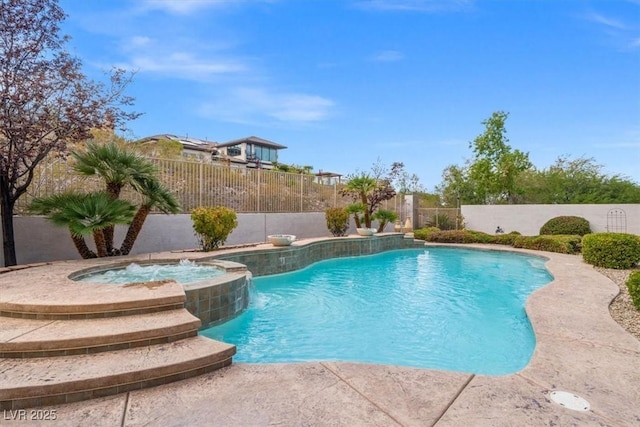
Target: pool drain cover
x=569 y=400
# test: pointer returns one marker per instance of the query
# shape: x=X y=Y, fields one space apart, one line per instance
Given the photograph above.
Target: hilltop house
x=250 y=152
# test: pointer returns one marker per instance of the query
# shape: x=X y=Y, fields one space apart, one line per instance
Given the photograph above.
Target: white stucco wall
x=37 y=240
x=527 y=219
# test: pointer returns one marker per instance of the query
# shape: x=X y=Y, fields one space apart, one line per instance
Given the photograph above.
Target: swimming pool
x=441 y=308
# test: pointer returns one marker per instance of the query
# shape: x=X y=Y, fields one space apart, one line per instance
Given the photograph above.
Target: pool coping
x=580 y=349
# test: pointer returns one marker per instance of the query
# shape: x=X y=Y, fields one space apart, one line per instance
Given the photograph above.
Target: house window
x=234 y=151
x=266 y=154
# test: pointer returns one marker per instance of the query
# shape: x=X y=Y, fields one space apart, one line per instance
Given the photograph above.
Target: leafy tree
x=496 y=166
x=45 y=100
x=457 y=187
x=577 y=181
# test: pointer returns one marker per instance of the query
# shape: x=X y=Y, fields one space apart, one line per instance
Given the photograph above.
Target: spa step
x=93 y=301
x=42 y=338
x=56 y=380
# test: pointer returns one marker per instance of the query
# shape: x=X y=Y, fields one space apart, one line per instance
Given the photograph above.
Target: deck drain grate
x=569 y=400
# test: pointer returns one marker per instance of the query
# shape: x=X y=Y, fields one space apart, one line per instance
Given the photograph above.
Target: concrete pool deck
x=580 y=349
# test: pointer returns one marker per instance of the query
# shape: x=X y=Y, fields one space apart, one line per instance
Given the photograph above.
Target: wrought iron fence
x=244 y=190
x=204 y=184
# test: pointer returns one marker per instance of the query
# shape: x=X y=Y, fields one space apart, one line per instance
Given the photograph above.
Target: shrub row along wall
x=527 y=219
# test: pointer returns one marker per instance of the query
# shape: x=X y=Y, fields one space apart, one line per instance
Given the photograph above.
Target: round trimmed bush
x=337 y=221
x=213 y=225
x=611 y=250
x=567 y=225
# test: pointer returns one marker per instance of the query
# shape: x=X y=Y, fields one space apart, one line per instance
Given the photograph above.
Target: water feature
x=184 y=272
x=442 y=308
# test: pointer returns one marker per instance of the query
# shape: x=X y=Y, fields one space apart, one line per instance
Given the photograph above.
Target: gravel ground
x=622 y=309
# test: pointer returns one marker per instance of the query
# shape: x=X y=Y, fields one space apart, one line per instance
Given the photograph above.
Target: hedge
x=459 y=236
x=560 y=244
x=566 y=225
x=611 y=250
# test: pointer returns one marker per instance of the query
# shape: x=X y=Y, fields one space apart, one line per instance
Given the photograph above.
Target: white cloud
x=414 y=5
x=186 y=7
x=254 y=105
x=606 y=21
x=181 y=7
x=138 y=42
x=184 y=65
x=388 y=56
x=623 y=34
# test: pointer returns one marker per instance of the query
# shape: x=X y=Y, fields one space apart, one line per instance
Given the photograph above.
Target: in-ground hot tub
x=216 y=290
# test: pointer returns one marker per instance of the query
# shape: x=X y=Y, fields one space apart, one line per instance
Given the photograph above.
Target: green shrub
x=459 y=236
x=212 y=226
x=442 y=221
x=566 y=225
x=633 y=284
x=337 y=221
x=560 y=244
x=505 y=239
x=424 y=233
x=611 y=250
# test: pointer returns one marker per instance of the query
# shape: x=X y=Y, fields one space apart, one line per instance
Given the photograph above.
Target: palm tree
x=384 y=217
x=356 y=209
x=85 y=214
x=118 y=167
x=359 y=188
x=155 y=196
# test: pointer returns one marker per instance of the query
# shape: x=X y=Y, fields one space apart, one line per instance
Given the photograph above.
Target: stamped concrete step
x=41 y=338
x=56 y=380
x=47 y=297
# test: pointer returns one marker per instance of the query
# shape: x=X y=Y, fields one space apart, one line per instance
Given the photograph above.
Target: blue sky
x=344 y=84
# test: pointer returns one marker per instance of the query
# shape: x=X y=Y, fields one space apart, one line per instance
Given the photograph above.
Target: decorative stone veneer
x=214 y=300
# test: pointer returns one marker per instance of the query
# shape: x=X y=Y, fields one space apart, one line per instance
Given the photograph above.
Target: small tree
x=368 y=192
x=45 y=100
x=496 y=167
x=213 y=225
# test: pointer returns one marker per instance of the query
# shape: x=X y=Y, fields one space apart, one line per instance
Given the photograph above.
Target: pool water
x=441 y=308
x=184 y=272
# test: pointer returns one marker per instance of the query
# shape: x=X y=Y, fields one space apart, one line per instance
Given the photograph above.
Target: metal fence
x=198 y=184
